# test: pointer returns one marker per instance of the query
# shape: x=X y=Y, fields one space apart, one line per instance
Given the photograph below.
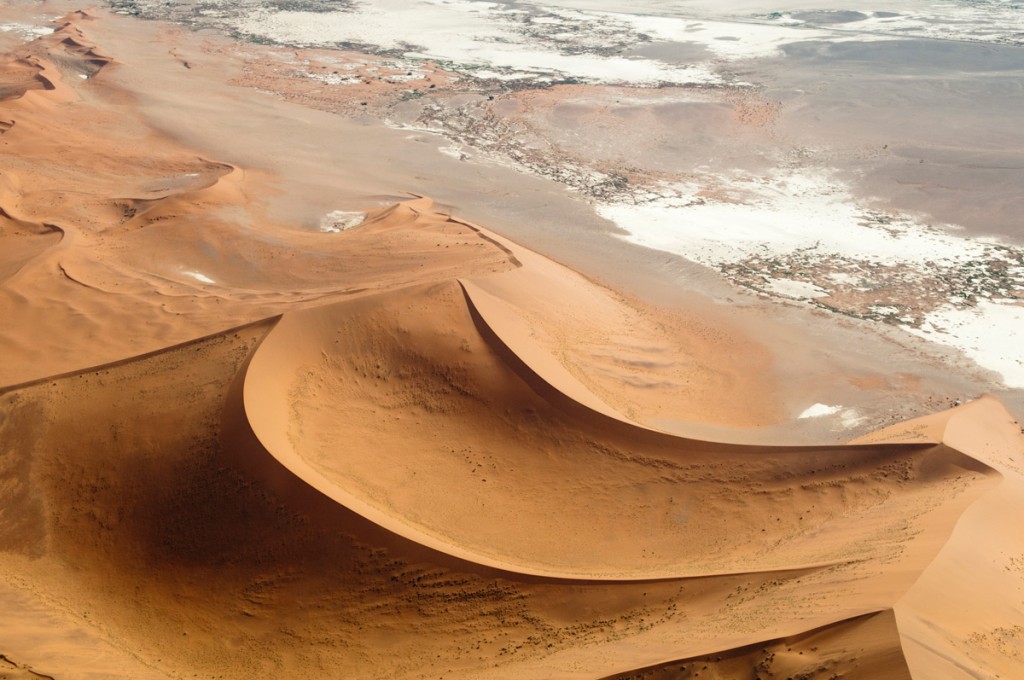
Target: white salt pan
x=991 y=333
x=340 y=220
x=818 y=410
x=198 y=276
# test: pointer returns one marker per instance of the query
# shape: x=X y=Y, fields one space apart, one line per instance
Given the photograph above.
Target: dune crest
x=364 y=399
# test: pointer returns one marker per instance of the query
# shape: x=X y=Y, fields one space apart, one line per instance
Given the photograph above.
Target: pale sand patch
x=990 y=333
x=340 y=220
x=726 y=40
x=468 y=35
x=818 y=410
x=794 y=289
x=199 y=276
x=29 y=31
x=801 y=235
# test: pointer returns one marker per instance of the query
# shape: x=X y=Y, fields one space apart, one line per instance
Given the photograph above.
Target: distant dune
x=411 y=448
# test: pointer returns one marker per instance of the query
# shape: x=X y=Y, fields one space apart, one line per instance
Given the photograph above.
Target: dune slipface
x=376 y=392
x=407 y=447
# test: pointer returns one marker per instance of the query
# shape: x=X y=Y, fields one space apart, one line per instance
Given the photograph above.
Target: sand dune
x=234 y=447
x=174 y=245
x=388 y=403
x=866 y=645
x=147 y=470
x=18 y=76
x=23 y=241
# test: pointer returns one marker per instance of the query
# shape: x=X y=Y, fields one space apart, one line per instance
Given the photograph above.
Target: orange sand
x=233 y=448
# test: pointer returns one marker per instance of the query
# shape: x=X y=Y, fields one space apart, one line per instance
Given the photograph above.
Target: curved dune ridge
x=18 y=75
x=116 y=499
x=410 y=409
x=422 y=450
x=115 y=220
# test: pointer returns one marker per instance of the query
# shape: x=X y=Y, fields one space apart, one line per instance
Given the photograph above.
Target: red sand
x=421 y=450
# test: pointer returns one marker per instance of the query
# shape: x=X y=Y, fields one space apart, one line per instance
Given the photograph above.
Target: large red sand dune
x=233 y=448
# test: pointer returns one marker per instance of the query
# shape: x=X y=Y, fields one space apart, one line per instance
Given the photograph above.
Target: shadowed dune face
x=23 y=241
x=18 y=76
x=398 y=407
x=136 y=492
